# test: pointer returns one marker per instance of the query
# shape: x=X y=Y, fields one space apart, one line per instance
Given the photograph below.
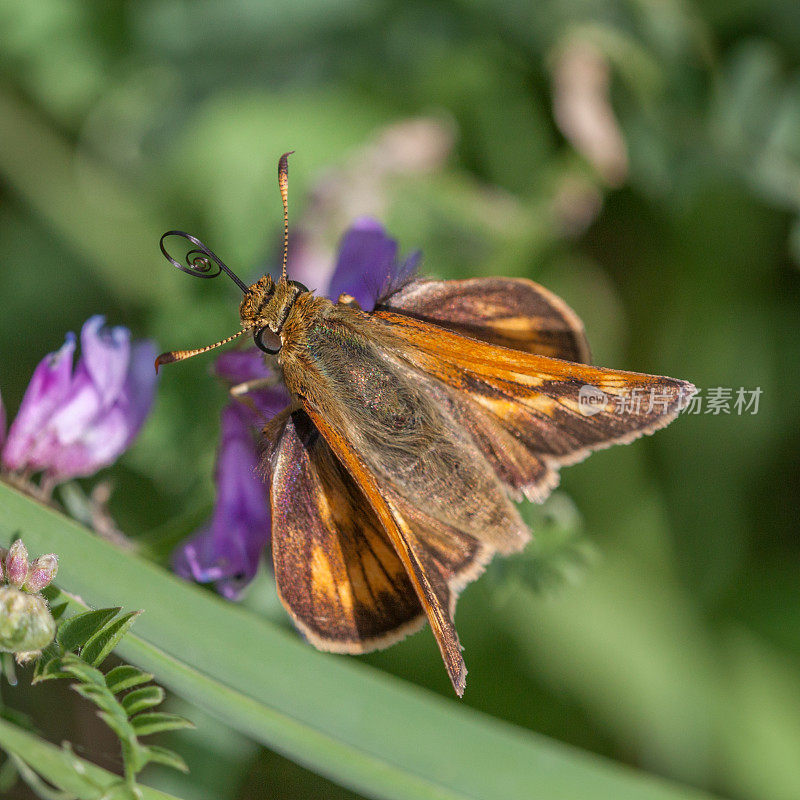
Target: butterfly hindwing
x=510 y=312
x=436 y=585
x=336 y=571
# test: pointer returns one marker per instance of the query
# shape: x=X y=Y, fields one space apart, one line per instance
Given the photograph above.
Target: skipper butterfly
x=411 y=431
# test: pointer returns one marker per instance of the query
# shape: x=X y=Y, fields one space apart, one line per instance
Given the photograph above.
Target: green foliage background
x=672 y=640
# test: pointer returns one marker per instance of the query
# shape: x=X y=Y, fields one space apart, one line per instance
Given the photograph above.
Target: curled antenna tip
x=283 y=170
x=198 y=260
x=164 y=358
x=181 y=355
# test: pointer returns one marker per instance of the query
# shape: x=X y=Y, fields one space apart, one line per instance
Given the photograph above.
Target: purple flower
x=367 y=264
x=227 y=551
x=73 y=423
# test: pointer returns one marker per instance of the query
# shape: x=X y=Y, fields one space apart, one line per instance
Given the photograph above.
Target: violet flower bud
x=26 y=624
x=17 y=564
x=41 y=573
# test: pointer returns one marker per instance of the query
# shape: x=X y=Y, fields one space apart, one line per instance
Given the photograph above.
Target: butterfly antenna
x=283 y=185
x=180 y=355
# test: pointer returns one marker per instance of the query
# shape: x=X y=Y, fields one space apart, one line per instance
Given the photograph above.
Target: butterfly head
x=266 y=303
x=265 y=307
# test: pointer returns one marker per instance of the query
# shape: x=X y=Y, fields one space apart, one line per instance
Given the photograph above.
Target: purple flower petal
x=83 y=450
x=238 y=366
x=367 y=257
x=97 y=447
x=49 y=386
x=78 y=412
x=97 y=383
x=139 y=390
x=105 y=353
x=228 y=551
x=269 y=402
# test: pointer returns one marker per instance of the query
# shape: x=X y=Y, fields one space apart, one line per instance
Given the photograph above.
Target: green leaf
x=124 y=677
x=141 y=699
x=121 y=727
x=145 y=724
x=51 y=593
x=48 y=665
x=8 y=777
x=75 y=631
x=107 y=638
x=35 y=783
x=168 y=758
x=84 y=672
x=102 y=698
x=63 y=768
x=364 y=729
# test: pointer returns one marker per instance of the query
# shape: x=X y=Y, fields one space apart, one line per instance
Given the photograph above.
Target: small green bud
x=17 y=563
x=41 y=573
x=26 y=624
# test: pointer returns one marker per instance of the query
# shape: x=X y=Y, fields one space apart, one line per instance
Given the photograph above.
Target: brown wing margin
x=425 y=571
x=336 y=572
x=511 y=312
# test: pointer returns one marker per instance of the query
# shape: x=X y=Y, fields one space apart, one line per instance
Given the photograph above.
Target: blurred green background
x=640 y=157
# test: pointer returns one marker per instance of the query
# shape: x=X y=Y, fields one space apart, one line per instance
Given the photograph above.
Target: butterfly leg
x=241 y=389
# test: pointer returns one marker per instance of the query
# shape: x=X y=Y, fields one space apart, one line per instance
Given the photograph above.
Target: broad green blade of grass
x=65 y=770
x=356 y=725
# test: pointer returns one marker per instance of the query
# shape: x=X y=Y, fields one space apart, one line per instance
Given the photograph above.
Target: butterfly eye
x=267 y=341
x=299 y=285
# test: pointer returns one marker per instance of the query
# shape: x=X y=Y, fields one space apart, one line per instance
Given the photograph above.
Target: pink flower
x=72 y=423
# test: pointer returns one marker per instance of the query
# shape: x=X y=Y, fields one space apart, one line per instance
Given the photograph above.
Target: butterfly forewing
x=390 y=414
x=540 y=401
